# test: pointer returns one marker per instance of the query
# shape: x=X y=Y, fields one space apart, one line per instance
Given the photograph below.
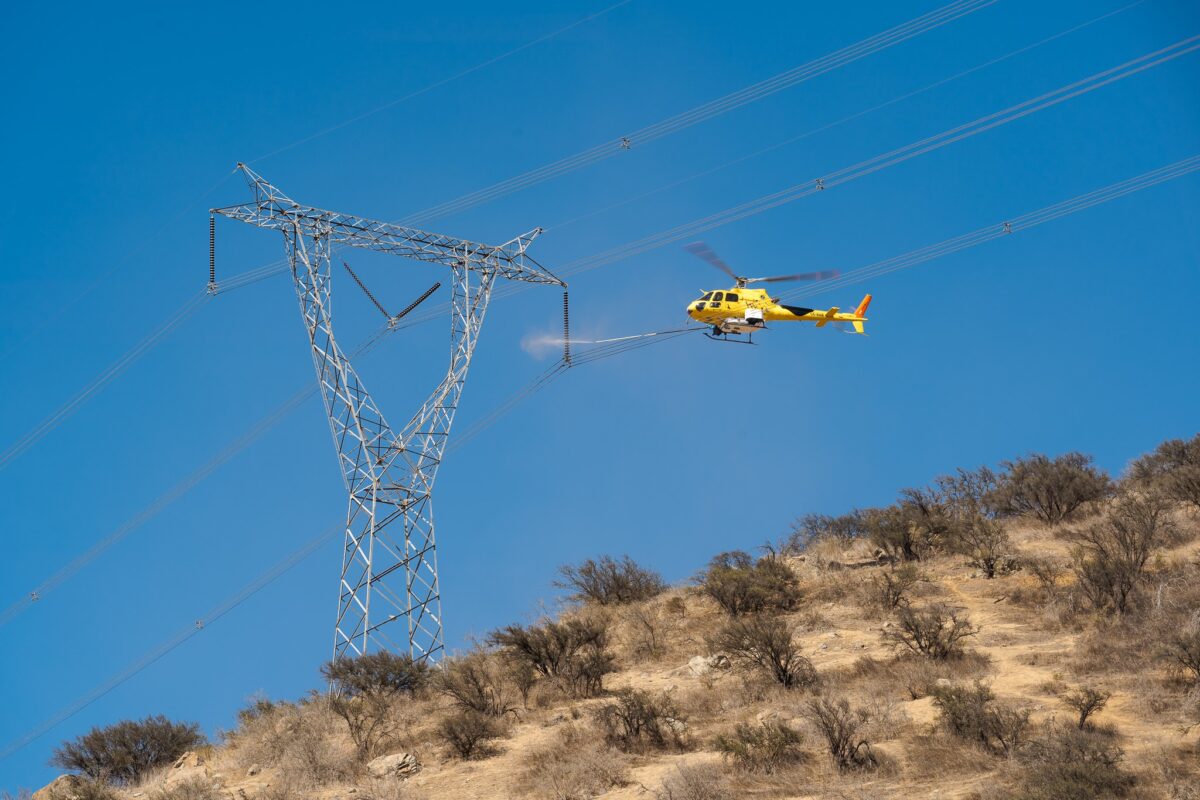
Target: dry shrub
x=741 y=585
x=573 y=653
x=889 y=589
x=302 y=741
x=576 y=767
x=1050 y=490
x=1110 y=556
x=898 y=531
x=813 y=530
x=909 y=676
x=82 y=789
x=765 y=747
x=695 y=782
x=607 y=581
x=477 y=682
x=1066 y=763
x=470 y=733
x=195 y=789
x=766 y=644
x=648 y=630
x=1173 y=468
x=840 y=726
x=985 y=544
x=1085 y=701
x=973 y=714
x=639 y=722
x=1182 y=651
x=936 y=631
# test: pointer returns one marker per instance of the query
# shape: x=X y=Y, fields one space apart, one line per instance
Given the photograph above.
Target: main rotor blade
x=702 y=250
x=800 y=276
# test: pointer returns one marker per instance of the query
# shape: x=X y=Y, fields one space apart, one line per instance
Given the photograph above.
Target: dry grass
x=577 y=766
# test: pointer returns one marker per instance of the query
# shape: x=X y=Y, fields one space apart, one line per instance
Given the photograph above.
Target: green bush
x=741 y=585
x=124 y=752
x=1051 y=490
x=766 y=747
x=606 y=581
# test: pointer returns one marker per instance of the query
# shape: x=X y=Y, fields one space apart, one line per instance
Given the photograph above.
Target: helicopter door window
x=733 y=298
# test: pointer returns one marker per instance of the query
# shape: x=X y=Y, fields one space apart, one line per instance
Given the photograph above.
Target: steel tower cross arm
x=273 y=209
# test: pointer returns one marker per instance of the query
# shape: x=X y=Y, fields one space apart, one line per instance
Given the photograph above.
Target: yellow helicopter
x=742 y=310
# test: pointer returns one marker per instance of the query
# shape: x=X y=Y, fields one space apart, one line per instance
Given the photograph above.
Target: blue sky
x=1075 y=335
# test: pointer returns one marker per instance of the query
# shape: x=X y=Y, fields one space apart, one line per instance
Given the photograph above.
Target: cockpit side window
x=731 y=297
x=717 y=296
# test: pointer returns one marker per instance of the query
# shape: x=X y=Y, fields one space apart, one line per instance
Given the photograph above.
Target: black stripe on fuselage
x=797 y=310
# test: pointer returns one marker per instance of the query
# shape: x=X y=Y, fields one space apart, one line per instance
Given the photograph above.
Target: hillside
x=877 y=639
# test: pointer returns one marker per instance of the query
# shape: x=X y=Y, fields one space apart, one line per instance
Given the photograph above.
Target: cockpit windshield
x=707 y=296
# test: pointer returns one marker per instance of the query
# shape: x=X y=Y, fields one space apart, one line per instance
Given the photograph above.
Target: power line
x=713 y=108
x=1046 y=214
x=438 y=84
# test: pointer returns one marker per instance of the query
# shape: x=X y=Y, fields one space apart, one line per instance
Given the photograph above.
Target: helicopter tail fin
x=860 y=312
x=862 y=307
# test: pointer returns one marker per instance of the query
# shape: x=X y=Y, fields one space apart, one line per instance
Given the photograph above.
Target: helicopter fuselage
x=745 y=310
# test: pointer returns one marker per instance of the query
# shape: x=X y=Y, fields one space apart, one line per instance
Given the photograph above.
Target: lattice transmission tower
x=388 y=587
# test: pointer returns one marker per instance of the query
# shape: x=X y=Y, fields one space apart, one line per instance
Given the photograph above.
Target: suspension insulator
x=566 y=330
x=212 y=254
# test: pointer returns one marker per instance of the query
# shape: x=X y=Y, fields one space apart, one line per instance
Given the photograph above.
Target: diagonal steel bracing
x=388 y=595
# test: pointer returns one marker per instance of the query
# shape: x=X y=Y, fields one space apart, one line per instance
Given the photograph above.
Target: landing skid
x=731 y=338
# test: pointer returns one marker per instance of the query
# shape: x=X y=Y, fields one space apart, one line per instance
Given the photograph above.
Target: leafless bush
x=812 y=528
x=972 y=713
x=1182 y=649
x=929 y=519
x=936 y=631
x=195 y=789
x=470 y=733
x=968 y=493
x=363 y=691
x=765 y=747
x=984 y=542
x=123 y=752
x=607 y=581
x=894 y=531
x=1085 y=701
x=647 y=629
x=576 y=767
x=300 y=740
x=741 y=585
x=1066 y=763
x=695 y=782
x=476 y=682
x=1173 y=468
x=382 y=674
x=637 y=722
x=767 y=644
x=1110 y=555
x=839 y=725
x=888 y=589
x=573 y=653
x=1051 y=490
